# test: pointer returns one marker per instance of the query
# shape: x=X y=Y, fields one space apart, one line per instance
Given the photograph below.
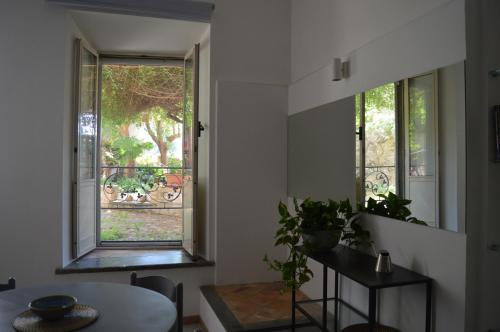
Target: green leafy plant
x=129 y=185
x=391 y=206
x=312 y=216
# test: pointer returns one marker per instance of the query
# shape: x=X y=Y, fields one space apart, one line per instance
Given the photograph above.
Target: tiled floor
x=260 y=302
x=255 y=307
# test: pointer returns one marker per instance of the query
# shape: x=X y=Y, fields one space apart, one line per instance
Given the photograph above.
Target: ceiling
x=115 y=33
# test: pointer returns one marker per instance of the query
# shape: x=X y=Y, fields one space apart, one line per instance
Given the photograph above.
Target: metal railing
x=379 y=180
x=141 y=187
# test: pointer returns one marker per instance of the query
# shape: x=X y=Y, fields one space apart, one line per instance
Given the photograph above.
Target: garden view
x=142 y=122
x=380 y=142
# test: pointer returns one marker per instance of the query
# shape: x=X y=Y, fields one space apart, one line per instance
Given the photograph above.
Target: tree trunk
x=124 y=130
x=162 y=147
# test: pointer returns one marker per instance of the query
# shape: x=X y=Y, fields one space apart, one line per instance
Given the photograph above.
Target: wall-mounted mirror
x=410 y=140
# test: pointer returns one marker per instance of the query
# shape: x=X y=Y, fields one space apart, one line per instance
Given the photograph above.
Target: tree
x=380 y=123
x=125 y=150
x=162 y=130
x=380 y=133
x=149 y=96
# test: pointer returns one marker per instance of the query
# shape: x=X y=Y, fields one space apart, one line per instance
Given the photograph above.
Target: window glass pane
x=380 y=141
x=87 y=116
x=358 y=142
x=421 y=126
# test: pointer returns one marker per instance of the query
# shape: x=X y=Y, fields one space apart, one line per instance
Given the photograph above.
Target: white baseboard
x=208 y=316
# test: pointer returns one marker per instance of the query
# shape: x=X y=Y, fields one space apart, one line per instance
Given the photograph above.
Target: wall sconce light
x=340 y=69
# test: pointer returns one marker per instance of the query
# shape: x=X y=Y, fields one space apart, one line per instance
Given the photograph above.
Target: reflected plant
x=391 y=206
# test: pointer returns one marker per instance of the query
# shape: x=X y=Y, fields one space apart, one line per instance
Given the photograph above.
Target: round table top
x=121 y=307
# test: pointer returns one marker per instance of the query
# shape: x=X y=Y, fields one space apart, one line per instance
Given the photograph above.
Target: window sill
x=113 y=260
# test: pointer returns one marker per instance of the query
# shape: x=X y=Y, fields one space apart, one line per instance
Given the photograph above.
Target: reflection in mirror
x=410 y=141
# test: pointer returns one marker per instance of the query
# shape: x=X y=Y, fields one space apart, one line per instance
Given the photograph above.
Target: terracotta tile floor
x=259 y=302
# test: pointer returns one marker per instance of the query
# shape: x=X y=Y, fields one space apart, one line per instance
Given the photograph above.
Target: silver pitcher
x=384 y=264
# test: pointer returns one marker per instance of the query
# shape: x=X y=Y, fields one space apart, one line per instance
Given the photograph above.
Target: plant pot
x=320 y=240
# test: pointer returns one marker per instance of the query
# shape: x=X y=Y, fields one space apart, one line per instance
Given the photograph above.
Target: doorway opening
x=141 y=131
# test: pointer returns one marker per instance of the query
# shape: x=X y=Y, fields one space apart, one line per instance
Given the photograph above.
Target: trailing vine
x=311 y=216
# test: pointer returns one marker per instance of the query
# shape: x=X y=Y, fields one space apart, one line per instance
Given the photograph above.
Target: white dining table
x=122 y=308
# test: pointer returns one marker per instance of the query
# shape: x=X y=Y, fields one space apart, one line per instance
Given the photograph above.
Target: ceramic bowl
x=52 y=307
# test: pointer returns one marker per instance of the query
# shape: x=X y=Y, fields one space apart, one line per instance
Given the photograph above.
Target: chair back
x=163 y=286
x=158 y=284
x=11 y=284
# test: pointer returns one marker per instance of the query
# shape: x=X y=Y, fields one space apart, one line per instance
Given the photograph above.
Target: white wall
x=36 y=79
x=324 y=29
x=36 y=67
x=438 y=254
x=251 y=41
x=490 y=279
x=208 y=316
x=251 y=159
x=483 y=176
x=32 y=91
x=380 y=49
x=250 y=73
x=385 y=41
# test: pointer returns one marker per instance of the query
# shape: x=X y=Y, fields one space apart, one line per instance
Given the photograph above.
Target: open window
x=136 y=151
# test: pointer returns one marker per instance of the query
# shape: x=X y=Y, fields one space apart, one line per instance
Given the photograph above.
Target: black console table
x=360 y=268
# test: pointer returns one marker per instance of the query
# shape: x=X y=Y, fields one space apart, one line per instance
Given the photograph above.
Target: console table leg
x=293 y=309
x=325 y=296
x=428 y=306
x=372 y=309
x=336 y=322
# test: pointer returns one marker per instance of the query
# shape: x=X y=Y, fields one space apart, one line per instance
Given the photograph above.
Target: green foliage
x=321 y=216
x=125 y=149
x=380 y=134
x=130 y=185
x=112 y=234
x=294 y=270
x=380 y=125
x=391 y=206
x=382 y=97
x=130 y=89
x=147 y=177
x=309 y=217
x=174 y=162
x=149 y=97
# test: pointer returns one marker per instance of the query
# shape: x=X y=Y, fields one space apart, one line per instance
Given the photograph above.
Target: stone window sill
x=112 y=260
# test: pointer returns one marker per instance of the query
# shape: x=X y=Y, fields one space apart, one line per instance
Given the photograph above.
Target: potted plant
x=318 y=226
x=391 y=206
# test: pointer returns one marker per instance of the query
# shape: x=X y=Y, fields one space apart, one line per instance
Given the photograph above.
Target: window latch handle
x=200 y=128
x=360 y=133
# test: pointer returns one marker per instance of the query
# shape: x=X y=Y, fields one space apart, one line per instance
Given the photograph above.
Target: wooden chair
x=163 y=286
x=11 y=284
